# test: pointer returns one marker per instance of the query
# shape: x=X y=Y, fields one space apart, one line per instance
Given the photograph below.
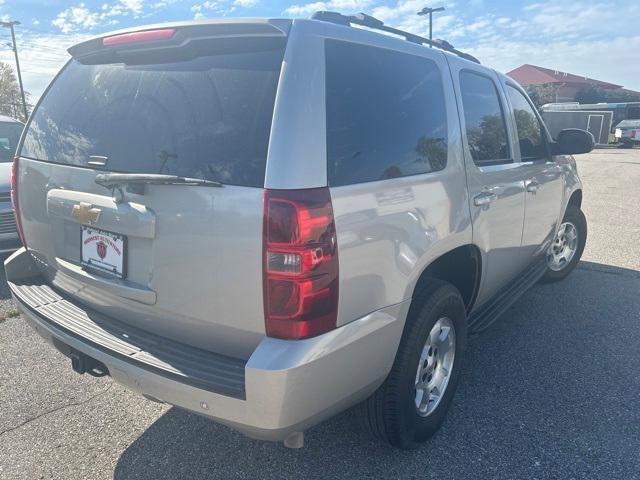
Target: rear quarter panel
x=388 y=231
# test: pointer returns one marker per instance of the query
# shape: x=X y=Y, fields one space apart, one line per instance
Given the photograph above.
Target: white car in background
x=10 y=131
x=628 y=133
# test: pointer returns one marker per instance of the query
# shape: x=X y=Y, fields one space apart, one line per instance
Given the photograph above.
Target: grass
x=10 y=314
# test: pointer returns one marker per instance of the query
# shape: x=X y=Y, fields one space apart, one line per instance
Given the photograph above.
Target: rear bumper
x=284 y=387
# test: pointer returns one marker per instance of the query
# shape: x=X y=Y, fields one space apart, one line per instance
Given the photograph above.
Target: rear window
x=207 y=117
x=386 y=114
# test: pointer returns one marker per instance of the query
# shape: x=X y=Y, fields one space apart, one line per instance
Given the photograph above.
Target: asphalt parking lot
x=552 y=390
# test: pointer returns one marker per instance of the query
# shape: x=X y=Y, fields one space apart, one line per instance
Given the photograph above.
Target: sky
x=599 y=39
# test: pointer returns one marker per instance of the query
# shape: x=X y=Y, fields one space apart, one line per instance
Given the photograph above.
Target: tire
x=391 y=414
x=573 y=216
x=626 y=145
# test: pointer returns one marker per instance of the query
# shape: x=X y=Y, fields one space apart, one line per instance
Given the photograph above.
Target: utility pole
x=10 y=25
x=427 y=10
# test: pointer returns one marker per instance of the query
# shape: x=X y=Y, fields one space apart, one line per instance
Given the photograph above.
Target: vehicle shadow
x=527 y=401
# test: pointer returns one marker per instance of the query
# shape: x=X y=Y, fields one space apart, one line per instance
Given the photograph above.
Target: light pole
x=430 y=11
x=10 y=25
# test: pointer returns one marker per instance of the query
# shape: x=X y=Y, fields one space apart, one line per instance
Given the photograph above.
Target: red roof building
x=567 y=84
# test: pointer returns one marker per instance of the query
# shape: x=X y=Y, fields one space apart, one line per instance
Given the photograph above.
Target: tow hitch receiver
x=82 y=363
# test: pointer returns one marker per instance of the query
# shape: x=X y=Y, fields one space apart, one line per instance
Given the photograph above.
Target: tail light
x=300 y=269
x=633 y=134
x=14 y=198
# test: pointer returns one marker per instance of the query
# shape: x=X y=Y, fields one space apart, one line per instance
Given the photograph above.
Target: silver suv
x=270 y=221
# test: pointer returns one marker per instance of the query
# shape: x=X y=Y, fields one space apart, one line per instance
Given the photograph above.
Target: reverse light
x=139 y=37
x=300 y=270
x=14 y=198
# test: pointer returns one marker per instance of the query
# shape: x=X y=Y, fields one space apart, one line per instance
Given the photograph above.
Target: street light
x=14 y=47
x=427 y=10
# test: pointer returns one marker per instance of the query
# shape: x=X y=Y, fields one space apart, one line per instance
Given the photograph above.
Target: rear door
x=495 y=181
x=183 y=261
x=542 y=175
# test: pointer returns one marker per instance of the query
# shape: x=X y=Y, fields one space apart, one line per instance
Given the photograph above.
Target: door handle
x=533 y=186
x=484 y=198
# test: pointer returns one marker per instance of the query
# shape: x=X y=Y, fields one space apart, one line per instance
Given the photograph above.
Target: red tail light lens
x=300 y=263
x=14 y=198
x=633 y=134
x=139 y=37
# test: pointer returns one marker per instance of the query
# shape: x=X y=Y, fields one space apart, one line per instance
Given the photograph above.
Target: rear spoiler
x=181 y=39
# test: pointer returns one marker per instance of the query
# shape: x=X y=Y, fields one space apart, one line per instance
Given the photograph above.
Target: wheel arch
x=461 y=267
x=576 y=198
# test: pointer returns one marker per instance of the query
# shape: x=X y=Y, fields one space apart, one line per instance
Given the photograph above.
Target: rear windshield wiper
x=114 y=180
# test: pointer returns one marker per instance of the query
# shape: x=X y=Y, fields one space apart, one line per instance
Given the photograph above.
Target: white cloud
x=345 y=6
x=134 y=6
x=585 y=18
x=584 y=37
x=79 y=17
x=41 y=57
x=208 y=6
x=76 y=18
x=578 y=37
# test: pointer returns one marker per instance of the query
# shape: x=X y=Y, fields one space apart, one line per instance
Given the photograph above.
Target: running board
x=483 y=317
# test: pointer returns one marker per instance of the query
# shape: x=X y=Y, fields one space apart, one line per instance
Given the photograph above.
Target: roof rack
x=368 y=21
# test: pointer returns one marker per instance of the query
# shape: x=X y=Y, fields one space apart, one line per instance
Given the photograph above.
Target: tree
x=432 y=151
x=621 y=96
x=541 y=94
x=591 y=94
x=489 y=139
x=10 y=98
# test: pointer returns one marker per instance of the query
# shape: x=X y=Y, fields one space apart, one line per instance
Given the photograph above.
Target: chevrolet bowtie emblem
x=84 y=212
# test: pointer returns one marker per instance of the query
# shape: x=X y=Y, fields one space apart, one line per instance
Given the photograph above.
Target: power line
x=45 y=32
x=42 y=48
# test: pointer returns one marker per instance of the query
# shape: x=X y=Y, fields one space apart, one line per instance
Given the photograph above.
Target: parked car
x=268 y=246
x=628 y=133
x=10 y=131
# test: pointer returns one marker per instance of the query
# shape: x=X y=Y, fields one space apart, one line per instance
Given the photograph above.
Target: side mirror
x=573 y=141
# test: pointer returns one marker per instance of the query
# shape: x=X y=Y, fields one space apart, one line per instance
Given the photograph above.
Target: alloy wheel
x=435 y=366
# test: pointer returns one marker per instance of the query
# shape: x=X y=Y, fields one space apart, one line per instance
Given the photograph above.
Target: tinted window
x=484 y=120
x=532 y=145
x=207 y=117
x=9 y=137
x=386 y=114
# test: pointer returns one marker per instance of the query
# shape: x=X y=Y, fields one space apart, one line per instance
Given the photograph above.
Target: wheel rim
x=435 y=366
x=563 y=248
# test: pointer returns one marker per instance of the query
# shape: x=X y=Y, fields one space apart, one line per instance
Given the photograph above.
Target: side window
x=386 y=114
x=530 y=137
x=484 y=120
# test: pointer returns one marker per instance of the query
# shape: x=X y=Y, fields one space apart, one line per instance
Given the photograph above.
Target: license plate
x=103 y=251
